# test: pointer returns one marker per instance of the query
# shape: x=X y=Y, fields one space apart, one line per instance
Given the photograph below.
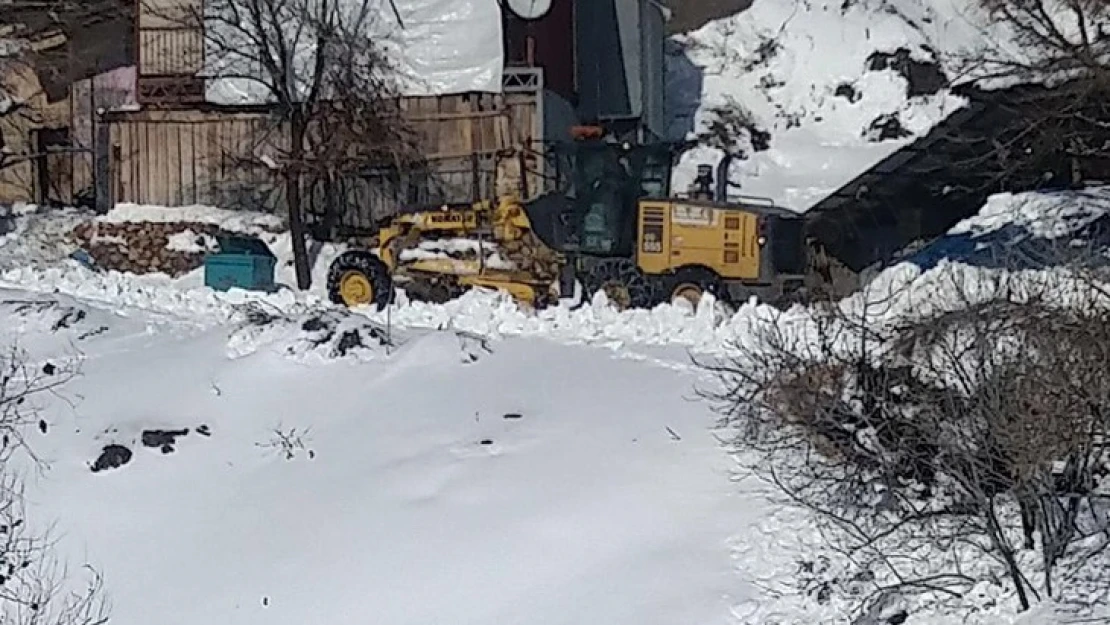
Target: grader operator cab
x=613 y=226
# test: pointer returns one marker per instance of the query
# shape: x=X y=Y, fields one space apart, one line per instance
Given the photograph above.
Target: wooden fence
x=215 y=156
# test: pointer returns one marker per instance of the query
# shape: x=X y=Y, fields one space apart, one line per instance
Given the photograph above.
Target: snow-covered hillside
x=837 y=86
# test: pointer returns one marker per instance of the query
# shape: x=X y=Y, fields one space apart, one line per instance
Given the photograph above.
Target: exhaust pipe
x=722 y=177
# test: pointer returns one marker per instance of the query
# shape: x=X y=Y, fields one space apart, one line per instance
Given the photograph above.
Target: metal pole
x=389 y=324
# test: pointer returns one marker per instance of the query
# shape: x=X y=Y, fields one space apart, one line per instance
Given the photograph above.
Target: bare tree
x=17 y=111
x=35 y=589
x=324 y=68
x=1044 y=69
x=941 y=440
x=1047 y=39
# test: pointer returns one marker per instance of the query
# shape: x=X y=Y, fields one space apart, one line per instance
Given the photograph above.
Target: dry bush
x=35 y=588
x=942 y=446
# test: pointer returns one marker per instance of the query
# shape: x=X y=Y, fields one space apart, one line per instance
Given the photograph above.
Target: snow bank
x=1039 y=215
x=247 y=222
x=31 y=236
x=909 y=287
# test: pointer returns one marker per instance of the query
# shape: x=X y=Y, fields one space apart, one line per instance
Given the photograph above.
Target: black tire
x=697 y=279
x=622 y=274
x=359 y=263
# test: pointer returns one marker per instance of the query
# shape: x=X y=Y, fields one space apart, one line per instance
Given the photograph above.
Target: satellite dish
x=529 y=9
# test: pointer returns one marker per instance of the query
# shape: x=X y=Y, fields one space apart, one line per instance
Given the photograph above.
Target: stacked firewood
x=143 y=247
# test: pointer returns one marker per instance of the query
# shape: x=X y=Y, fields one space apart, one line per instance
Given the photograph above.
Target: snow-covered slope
x=821 y=77
x=446 y=481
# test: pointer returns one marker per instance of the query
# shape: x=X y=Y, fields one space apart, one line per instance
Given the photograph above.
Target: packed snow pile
x=920 y=282
x=815 y=93
x=1027 y=231
x=319 y=335
x=32 y=236
x=244 y=222
x=1040 y=215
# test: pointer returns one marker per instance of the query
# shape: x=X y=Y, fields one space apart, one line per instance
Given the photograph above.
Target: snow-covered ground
x=805 y=71
x=517 y=482
x=469 y=462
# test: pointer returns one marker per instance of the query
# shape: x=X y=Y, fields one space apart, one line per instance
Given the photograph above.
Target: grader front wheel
x=359 y=278
x=624 y=285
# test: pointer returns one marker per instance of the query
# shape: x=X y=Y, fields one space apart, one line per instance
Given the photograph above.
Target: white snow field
x=491 y=466
x=443 y=483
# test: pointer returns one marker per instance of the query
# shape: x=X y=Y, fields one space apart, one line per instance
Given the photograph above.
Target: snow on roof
x=440 y=46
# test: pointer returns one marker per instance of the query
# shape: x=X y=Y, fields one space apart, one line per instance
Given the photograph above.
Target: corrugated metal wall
x=621 y=63
x=654 y=60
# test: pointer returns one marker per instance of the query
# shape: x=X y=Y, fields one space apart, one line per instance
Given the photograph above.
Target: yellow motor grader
x=614 y=227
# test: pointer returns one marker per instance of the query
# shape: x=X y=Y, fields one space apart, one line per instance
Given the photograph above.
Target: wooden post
x=523 y=165
x=475 y=181
x=102 y=164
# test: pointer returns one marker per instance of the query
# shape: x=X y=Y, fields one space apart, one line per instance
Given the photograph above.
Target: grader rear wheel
x=692 y=283
x=624 y=285
x=358 y=278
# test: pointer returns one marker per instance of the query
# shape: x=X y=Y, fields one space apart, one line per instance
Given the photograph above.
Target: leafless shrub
x=1048 y=38
x=1050 y=123
x=35 y=589
x=943 y=440
x=288 y=443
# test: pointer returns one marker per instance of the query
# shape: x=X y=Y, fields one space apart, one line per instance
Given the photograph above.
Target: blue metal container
x=243 y=263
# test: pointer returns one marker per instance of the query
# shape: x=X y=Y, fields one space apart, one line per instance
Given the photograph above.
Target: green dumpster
x=241 y=262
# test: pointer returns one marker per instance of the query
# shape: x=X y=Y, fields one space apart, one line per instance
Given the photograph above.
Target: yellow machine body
x=676 y=233
x=498 y=225
x=679 y=247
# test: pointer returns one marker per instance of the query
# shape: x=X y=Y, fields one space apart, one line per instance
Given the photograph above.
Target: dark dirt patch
x=922 y=77
x=204 y=430
x=886 y=127
x=112 y=457
x=163 y=439
x=848 y=91
x=343 y=333
x=67 y=316
x=335 y=334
